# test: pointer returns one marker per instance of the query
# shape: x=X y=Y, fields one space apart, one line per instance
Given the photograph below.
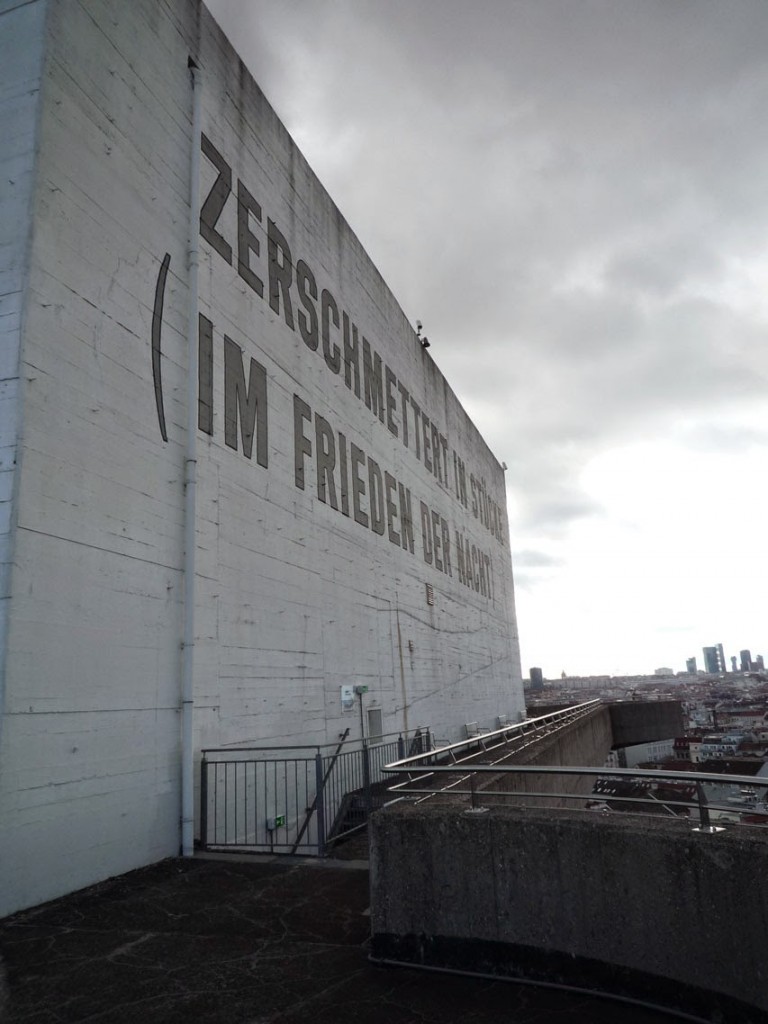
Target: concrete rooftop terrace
x=246 y=942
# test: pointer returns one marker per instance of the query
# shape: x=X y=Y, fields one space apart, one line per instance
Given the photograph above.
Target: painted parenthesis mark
x=157 y=323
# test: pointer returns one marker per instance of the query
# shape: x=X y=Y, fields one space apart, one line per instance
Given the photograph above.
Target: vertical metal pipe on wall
x=190 y=487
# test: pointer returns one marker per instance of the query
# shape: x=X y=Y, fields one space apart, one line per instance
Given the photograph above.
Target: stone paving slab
x=259 y=942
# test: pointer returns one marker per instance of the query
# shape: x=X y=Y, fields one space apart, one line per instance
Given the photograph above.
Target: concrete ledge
x=637 y=907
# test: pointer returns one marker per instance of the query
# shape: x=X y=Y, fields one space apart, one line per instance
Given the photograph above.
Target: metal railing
x=285 y=799
x=496 y=746
x=697 y=795
x=302 y=799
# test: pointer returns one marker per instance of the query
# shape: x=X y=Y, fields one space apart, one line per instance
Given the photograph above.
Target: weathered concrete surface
x=637 y=721
x=230 y=943
x=586 y=742
x=21 y=27
x=682 y=917
x=644 y=721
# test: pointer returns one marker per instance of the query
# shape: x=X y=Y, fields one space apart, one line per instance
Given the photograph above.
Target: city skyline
x=570 y=198
x=695 y=663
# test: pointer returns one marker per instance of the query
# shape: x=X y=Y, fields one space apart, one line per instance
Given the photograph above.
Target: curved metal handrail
x=422 y=786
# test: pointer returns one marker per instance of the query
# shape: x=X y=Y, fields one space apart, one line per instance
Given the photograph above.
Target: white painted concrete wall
x=22 y=36
x=21 y=58
x=295 y=597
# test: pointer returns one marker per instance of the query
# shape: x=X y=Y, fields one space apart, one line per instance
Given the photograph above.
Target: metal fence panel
x=258 y=804
x=291 y=800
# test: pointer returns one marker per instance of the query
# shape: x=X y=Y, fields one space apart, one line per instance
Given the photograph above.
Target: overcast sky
x=572 y=195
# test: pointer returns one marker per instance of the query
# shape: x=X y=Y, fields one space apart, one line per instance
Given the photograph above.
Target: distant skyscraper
x=714 y=660
x=733 y=663
x=746 y=660
x=690 y=667
x=759 y=663
x=537 y=679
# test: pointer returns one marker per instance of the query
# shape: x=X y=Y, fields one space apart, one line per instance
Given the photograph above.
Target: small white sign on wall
x=347 y=698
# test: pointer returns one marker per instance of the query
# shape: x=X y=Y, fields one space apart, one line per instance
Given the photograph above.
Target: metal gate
x=295 y=799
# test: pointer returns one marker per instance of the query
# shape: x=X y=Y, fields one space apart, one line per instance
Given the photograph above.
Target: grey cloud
x=726 y=438
x=658 y=269
x=550 y=509
x=530 y=559
x=531 y=565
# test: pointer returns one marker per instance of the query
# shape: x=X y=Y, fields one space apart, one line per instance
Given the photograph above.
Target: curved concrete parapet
x=637 y=907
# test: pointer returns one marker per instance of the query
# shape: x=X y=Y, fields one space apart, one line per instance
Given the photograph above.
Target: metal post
x=474 y=809
x=204 y=803
x=704 y=821
x=320 y=804
x=367 y=779
x=400 y=748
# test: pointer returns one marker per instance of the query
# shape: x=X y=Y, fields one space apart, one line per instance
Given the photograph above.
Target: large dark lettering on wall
x=330 y=315
x=247 y=241
x=157 y=328
x=215 y=200
x=246 y=404
x=307 y=285
x=358 y=485
x=376 y=496
x=346 y=479
x=302 y=444
x=435 y=536
x=325 y=447
x=380 y=502
x=205 y=373
x=372 y=382
x=351 y=356
x=390 y=382
x=280 y=272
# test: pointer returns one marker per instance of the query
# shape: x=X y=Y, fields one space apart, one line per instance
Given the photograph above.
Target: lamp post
x=359 y=691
